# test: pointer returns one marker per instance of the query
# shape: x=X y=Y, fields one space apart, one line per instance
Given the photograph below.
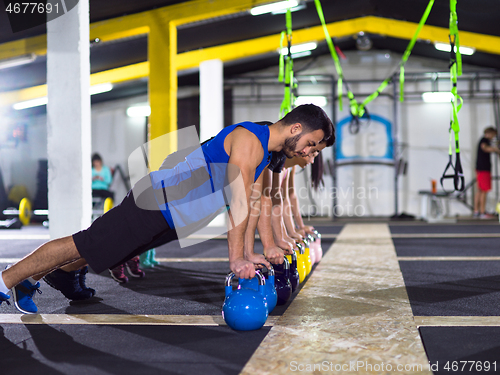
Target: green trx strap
x=286 y=68
x=454 y=35
x=409 y=48
x=335 y=57
x=456 y=104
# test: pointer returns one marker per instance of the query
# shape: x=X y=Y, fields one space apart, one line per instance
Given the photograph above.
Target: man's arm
x=246 y=153
x=272 y=252
x=255 y=213
x=489 y=149
x=287 y=212
x=294 y=204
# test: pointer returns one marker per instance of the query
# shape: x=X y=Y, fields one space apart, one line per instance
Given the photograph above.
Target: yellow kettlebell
x=301 y=263
x=307 y=258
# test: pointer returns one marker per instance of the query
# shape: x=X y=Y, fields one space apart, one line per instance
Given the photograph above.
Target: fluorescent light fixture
x=273 y=7
x=142 y=110
x=294 y=9
x=301 y=54
x=437 y=97
x=300 y=48
x=99 y=89
x=447 y=48
x=31 y=103
x=95 y=89
x=320 y=101
x=17 y=61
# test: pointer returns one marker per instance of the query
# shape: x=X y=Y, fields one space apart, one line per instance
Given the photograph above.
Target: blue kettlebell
x=270 y=291
x=282 y=282
x=245 y=309
x=294 y=273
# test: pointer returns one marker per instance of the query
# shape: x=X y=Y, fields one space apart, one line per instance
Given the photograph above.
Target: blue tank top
x=192 y=193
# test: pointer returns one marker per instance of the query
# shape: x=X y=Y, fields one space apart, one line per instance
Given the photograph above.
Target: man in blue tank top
x=128 y=229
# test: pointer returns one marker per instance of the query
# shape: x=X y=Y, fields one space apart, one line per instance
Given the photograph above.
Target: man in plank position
x=234 y=158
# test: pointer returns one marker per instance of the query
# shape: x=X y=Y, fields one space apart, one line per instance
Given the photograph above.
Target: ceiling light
x=301 y=54
x=437 y=97
x=17 y=61
x=300 y=48
x=30 y=103
x=320 y=101
x=99 y=89
x=141 y=110
x=273 y=7
x=294 y=9
x=447 y=48
x=95 y=89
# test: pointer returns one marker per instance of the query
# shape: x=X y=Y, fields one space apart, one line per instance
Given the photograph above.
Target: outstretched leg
x=50 y=255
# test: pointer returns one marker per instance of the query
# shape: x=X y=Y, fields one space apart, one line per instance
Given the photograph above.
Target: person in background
x=101 y=178
x=483 y=172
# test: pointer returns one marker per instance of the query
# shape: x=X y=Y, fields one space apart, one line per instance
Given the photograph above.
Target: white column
x=211 y=98
x=68 y=122
x=212 y=107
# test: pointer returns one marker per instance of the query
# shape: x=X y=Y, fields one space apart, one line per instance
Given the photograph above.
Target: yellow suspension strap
x=456 y=104
x=286 y=68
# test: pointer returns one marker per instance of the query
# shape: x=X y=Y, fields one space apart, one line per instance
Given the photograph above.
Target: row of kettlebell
x=248 y=307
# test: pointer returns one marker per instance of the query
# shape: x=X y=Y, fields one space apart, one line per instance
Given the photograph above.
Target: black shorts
x=122 y=233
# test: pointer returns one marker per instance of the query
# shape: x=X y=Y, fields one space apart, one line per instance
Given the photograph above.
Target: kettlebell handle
x=262 y=280
x=301 y=248
x=271 y=270
x=286 y=263
x=317 y=234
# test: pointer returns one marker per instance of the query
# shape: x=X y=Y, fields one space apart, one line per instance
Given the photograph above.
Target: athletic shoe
x=82 y=276
x=23 y=296
x=486 y=216
x=133 y=268
x=68 y=283
x=117 y=274
x=4 y=297
x=152 y=260
x=475 y=215
x=144 y=260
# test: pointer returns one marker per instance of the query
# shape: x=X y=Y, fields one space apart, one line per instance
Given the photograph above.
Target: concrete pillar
x=68 y=121
x=211 y=98
x=212 y=108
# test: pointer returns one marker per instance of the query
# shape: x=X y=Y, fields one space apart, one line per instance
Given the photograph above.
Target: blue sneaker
x=4 y=297
x=23 y=297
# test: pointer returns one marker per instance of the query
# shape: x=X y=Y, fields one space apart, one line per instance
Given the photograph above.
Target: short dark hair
x=490 y=129
x=312 y=118
x=96 y=157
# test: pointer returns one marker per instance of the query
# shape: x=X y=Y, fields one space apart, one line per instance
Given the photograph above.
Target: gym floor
x=401 y=298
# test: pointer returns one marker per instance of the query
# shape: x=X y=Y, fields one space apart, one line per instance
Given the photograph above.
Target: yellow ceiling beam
x=117 y=75
x=36 y=44
x=137 y=24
